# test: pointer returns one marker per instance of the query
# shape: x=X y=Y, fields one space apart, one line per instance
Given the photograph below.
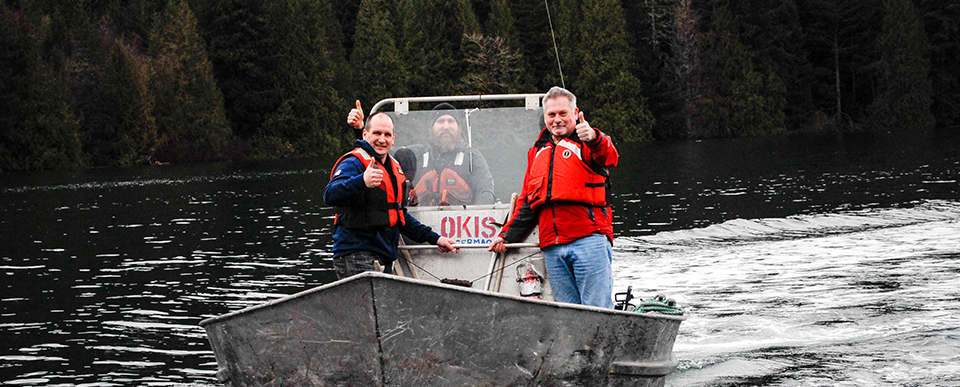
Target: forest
x=89 y=83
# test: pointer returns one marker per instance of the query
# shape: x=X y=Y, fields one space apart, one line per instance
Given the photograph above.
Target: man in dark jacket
x=564 y=193
x=366 y=187
x=449 y=171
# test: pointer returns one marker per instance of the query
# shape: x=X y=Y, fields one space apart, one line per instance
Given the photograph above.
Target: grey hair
x=557 y=92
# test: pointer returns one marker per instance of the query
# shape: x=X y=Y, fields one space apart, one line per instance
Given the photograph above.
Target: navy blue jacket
x=343 y=191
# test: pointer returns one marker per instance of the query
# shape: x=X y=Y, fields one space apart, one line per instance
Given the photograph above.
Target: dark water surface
x=802 y=261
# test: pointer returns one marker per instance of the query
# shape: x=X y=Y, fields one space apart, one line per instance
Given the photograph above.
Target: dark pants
x=358 y=262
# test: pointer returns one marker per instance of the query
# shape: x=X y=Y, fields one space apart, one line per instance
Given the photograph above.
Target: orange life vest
x=449 y=189
x=559 y=174
x=376 y=208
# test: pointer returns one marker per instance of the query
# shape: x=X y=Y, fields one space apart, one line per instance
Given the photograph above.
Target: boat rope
x=410 y=261
x=660 y=304
x=554 y=37
x=464 y=282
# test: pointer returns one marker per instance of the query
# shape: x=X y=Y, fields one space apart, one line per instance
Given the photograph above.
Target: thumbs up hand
x=584 y=130
x=355 y=117
x=373 y=176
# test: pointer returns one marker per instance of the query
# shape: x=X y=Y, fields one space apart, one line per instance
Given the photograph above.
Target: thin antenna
x=466 y=114
x=555 y=50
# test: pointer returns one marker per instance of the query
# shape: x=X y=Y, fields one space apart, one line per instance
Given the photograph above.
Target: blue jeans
x=580 y=271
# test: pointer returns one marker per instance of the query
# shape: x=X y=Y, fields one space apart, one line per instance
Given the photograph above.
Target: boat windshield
x=497 y=135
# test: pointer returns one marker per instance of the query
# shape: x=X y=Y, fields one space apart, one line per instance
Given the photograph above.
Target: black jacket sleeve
x=522 y=225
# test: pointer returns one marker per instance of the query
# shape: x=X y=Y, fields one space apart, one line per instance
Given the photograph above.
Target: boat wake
x=798 y=226
x=812 y=298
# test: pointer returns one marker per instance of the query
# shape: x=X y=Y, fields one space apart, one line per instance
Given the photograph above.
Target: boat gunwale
x=369 y=274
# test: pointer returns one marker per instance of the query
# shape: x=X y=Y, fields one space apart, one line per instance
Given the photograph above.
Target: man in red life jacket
x=565 y=194
x=450 y=172
x=366 y=187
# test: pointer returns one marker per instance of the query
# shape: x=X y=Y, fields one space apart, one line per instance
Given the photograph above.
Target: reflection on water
x=800 y=261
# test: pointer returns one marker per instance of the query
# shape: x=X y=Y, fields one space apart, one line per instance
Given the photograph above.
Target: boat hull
x=382 y=330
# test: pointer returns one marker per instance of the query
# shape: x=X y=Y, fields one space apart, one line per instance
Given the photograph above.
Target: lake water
x=801 y=261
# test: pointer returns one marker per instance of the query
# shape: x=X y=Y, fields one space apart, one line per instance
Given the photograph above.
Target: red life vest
x=559 y=174
x=377 y=208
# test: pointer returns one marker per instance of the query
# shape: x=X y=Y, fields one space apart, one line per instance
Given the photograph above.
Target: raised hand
x=355 y=117
x=373 y=176
x=584 y=130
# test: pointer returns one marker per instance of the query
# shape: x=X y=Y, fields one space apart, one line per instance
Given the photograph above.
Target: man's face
x=445 y=133
x=559 y=116
x=379 y=134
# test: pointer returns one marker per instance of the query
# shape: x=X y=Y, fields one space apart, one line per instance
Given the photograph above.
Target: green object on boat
x=660 y=304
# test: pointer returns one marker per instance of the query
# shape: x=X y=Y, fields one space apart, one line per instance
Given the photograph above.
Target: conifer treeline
x=96 y=82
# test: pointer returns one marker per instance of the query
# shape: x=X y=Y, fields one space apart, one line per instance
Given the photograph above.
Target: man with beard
x=565 y=193
x=449 y=171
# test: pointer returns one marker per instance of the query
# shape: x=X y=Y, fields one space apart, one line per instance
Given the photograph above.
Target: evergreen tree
x=433 y=32
x=335 y=48
x=864 y=18
x=501 y=22
x=651 y=27
x=85 y=73
x=189 y=106
x=67 y=21
x=245 y=53
x=718 y=57
x=771 y=30
x=127 y=131
x=824 y=44
x=304 y=123
x=494 y=68
x=567 y=17
x=942 y=22
x=904 y=98
x=535 y=43
x=737 y=98
x=501 y=25
x=37 y=129
x=119 y=127
x=76 y=86
x=131 y=18
x=611 y=94
x=650 y=22
x=839 y=43
x=376 y=59
x=683 y=69
x=757 y=100
x=346 y=13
